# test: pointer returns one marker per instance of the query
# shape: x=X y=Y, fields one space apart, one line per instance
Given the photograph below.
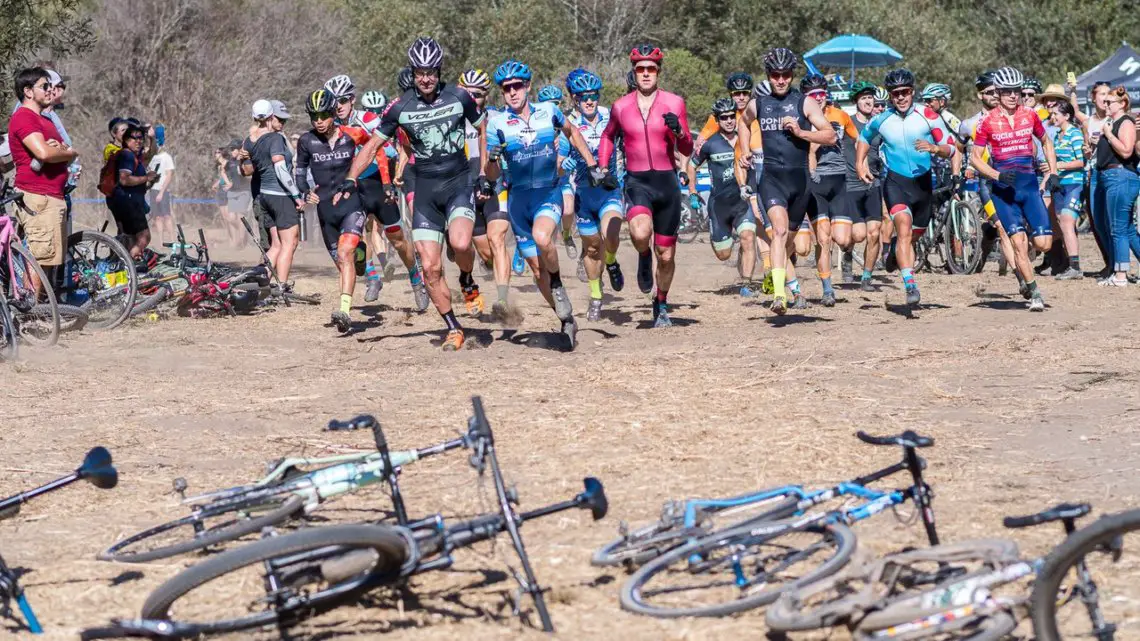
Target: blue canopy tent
x=852 y=51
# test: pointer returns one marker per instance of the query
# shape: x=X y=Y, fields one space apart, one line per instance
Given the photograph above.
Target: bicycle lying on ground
x=286 y=493
x=971 y=589
x=314 y=570
x=691 y=569
x=98 y=470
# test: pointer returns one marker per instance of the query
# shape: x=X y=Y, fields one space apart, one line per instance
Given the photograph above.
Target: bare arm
x=365 y=156
x=823 y=134
x=1123 y=142
x=1051 y=154
x=980 y=165
x=579 y=143
x=48 y=153
x=861 y=166
x=744 y=134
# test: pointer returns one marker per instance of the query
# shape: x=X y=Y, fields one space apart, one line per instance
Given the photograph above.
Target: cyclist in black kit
x=435 y=115
x=327 y=152
x=789 y=124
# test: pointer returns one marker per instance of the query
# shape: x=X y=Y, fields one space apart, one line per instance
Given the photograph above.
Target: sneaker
x=780 y=305
x=845 y=267
x=890 y=261
x=645 y=272
x=748 y=292
x=571 y=248
x=1037 y=303
x=828 y=299
x=1070 y=274
x=1111 y=281
x=474 y=300
x=570 y=330
x=373 y=291
x=594 y=314
x=865 y=285
x=617 y=279
x=661 y=315
x=799 y=301
x=562 y=307
x=499 y=310
x=342 y=322
x=419 y=291
x=518 y=265
x=454 y=341
x=582 y=276
x=913 y=296
x=1042 y=268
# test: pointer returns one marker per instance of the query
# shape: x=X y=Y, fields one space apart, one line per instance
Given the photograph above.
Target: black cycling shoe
x=617 y=279
x=645 y=272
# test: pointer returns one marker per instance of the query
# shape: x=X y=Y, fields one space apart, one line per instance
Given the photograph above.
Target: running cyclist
x=1009 y=130
x=598 y=210
x=434 y=116
x=789 y=124
x=654 y=126
x=911 y=137
x=491 y=220
x=728 y=213
x=864 y=217
x=553 y=95
x=828 y=171
x=326 y=152
x=525 y=136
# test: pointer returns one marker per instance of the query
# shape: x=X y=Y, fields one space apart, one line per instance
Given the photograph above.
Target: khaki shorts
x=44 y=228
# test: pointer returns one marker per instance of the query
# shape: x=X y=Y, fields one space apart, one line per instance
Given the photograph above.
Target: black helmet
x=899 y=78
x=812 y=82
x=780 y=59
x=984 y=79
x=244 y=298
x=1032 y=83
x=405 y=80
x=320 y=101
x=425 y=53
x=723 y=106
x=738 y=81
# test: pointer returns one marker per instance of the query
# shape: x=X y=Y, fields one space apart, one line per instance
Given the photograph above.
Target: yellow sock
x=767 y=260
x=778 y=276
x=611 y=257
x=345 y=302
x=596 y=288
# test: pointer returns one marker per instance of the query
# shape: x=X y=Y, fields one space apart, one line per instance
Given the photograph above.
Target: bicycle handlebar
x=1062 y=512
x=906 y=439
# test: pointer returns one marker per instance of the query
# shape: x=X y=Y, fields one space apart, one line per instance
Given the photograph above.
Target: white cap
x=53 y=77
x=261 y=110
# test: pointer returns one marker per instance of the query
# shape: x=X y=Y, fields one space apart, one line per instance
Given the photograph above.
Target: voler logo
x=527 y=136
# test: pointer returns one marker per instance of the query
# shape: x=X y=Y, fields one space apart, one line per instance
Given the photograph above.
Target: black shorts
x=486 y=212
x=727 y=215
x=787 y=188
x=830 y=195
x=864 y=206
x=375 y=203
x=129 y=212
x=913 y=194
x=272 y=211
x=441 y=201
x=409 y=178
x=345 y=217
x=656 y=193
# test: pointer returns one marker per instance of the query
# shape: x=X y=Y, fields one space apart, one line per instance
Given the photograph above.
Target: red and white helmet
x=646 y=53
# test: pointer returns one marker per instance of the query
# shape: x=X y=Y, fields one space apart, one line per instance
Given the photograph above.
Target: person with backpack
x=127 y=197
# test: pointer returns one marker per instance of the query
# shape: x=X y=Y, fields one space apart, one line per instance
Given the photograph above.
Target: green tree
x=30 y=27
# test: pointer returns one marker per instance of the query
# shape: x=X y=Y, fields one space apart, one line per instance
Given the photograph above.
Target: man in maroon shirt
x=41 y=159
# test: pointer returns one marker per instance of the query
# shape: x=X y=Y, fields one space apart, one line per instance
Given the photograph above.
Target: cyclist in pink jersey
x=653 y=126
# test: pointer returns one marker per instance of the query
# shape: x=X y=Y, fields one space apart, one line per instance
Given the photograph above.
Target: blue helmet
x=549 y=93
x=512 y=70
x=584 y=82
x=574 y=73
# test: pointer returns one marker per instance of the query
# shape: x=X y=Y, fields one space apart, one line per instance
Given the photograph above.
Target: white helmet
x=425 y=53
x=340 y=86
x=1008 y=78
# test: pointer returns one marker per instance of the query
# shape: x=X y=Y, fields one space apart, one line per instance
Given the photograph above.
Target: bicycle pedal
x=623 y=529
x=179 y=487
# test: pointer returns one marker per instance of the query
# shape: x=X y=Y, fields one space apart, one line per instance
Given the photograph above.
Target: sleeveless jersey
x=782 y=150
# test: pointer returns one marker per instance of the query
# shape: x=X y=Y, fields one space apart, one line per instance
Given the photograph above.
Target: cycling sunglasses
x=726 y=118
x=780 y=75
x=320 y=115
x=902 y=92
x=589 y=96
x=344 y=100
x=651 y=69
x=513 y=87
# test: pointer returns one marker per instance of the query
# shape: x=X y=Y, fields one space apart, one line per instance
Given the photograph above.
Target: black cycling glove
x=673 y=123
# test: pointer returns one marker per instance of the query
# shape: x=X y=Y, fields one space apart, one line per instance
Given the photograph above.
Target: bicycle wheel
x=102 y=276
x=204 y=528
x=736 y=570
x=336 y=564
x=9 y=348
x=144 y=304
x=1087 y=584
x=34 y=312
x=72 y=318
x=962 y=237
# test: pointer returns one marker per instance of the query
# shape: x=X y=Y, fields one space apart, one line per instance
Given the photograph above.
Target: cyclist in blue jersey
x=552 y=94
x=524 y=135
x=911 y=137
x=598 y=210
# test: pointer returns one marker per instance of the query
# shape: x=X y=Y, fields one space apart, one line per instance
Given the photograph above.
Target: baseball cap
x=54 y=77
x=261 y=110
x=279 y=109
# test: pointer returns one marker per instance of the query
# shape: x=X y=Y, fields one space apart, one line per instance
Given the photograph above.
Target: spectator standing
x=160 y=195
x=1117 y=184
x=267 y=159
x=238 y=201
x=33 y=137
x=1069 y=146
x=128 y=200
x=1092 y=124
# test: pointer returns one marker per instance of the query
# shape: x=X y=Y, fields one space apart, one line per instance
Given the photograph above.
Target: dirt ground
x=1027 y=410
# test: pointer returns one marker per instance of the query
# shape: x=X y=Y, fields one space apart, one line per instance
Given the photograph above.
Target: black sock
x=555 y=280
x=465 y=279
x=452 y=322
x=1075 y=262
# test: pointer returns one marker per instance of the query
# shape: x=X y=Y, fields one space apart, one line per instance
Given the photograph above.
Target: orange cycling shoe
x=474 y=300
x=454 y=341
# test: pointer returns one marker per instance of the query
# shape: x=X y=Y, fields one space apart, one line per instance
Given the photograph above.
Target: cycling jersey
x=874 y=160
x=529 y=146
x=1011 y=139
x=649 y=144
x=720 y=154
x=755 y=142
x=829 y=159
x=328 y=163
x=782 y=149
x=367 y=122
x=900 y=132
x=591 y=203
x=436 y=129
x=592 y=133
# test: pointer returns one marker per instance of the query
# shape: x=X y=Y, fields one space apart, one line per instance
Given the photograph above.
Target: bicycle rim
x=643 y=544
x=201 y=530
x=9 y=349
x=36 y=315
x=963 y=238
x=71 y=318
x=736 y=570
x=1059 y=612
x=235 y=598
x=104 y=273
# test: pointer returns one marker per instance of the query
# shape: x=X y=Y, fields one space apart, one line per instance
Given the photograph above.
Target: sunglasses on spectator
x=46 y=86
x=901 y=93
x=780 y=75
x=320 y=115
x=1028 y=94
x=591 y=96
x=513 y=87
x=650 y=69
x=344 y=100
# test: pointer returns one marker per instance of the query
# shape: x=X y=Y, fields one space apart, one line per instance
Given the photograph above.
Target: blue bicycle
x=693 y=570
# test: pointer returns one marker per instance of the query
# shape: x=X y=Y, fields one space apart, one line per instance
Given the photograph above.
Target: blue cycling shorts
x=525 y=206
x=1020 y=207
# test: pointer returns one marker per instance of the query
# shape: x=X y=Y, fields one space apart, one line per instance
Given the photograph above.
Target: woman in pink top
x=653 y=126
